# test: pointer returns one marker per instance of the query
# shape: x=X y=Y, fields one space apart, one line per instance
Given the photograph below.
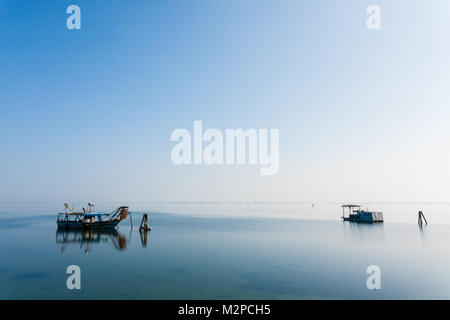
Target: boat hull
x=359 y=219
x=84 y=225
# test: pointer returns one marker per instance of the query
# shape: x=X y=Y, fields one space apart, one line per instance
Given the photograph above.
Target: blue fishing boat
x=358 y=215
x=90 y=218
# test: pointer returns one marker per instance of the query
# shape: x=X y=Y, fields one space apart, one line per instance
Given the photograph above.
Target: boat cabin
x=92 y=217
x=355 y=214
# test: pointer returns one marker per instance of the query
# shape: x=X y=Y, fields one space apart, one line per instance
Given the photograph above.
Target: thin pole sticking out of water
x=421 y=216
x=131 y=221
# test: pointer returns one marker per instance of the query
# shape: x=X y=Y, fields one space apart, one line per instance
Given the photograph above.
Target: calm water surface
x=188 y=256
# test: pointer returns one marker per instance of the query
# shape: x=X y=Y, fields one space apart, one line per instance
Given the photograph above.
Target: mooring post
x=144 y=223
x=421 y=216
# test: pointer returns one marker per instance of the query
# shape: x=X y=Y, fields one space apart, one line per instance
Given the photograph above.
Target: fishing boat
x=355 y=214
x=90 y=218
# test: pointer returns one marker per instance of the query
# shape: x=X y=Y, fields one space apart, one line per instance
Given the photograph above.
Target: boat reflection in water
x=87 y=238
x=144 y=238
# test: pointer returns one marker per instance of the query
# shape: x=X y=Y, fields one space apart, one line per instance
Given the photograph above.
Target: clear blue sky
x=87 y=114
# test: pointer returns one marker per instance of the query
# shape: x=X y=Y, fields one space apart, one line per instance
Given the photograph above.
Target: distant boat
x=90 y=219
x=358 y=215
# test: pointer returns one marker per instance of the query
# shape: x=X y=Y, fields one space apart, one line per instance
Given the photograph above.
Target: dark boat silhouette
x=362 y=216
x=90 y=219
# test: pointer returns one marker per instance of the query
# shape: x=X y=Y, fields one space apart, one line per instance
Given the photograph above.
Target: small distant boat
x=358 y=215
x=90 y=219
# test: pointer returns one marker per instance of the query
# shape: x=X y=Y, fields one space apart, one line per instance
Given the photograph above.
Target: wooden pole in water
x=144 y=223
x=421 y=216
